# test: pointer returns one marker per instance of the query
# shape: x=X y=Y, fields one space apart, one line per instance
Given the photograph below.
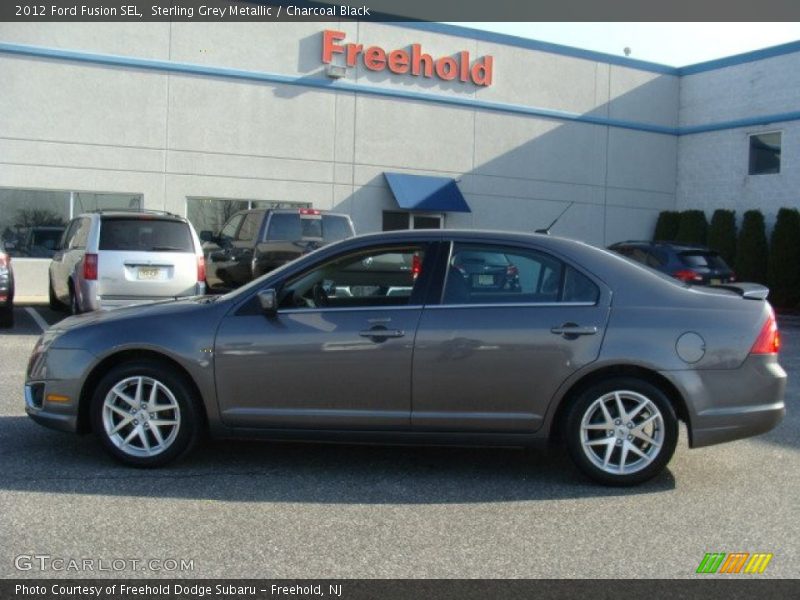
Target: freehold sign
x=411 y=61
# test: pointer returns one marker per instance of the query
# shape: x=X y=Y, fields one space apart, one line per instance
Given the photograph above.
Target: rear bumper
x=90 y=300
x=731 y=404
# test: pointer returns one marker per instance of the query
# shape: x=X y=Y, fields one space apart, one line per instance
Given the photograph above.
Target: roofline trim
x=358 y=88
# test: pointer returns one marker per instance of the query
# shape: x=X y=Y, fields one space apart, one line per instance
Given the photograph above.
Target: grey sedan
x=382 y=338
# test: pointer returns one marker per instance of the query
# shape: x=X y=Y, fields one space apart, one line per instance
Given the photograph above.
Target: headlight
x=37 y=367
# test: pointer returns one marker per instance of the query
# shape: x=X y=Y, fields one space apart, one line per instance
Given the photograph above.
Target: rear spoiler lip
x=751 y=291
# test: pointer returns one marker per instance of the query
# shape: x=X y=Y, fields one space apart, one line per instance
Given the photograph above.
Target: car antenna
x=546 y=231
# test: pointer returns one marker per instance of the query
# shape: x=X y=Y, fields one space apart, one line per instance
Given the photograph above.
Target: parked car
x=108 y=259
x=285 y=358
x=6 y=288
x=689 y=263
x=40 y=241
x=254 y=242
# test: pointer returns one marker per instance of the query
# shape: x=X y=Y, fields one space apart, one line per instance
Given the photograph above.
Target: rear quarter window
x=145 y=235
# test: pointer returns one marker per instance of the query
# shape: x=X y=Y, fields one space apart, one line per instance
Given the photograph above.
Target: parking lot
x=239 y=509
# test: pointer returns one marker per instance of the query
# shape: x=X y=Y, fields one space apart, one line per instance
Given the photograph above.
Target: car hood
x=157 y=308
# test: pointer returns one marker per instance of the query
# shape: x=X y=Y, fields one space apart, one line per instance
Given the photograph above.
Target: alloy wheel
x=141 y=416
x=622 y=432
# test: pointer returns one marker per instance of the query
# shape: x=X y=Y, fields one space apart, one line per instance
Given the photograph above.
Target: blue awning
x=421 y=192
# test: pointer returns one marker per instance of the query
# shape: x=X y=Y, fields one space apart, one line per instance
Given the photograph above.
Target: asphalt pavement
x=266 y=510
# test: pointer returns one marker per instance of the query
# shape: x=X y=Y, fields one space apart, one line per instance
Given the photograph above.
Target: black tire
x=175 y=390
x=7 y=316
x=653 y=418
x=74 y=307
x=55 y=303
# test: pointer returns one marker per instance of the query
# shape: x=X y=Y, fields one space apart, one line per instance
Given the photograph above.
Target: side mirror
x=269 y=302
x=207 y=236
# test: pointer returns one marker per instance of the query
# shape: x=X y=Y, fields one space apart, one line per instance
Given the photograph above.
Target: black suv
x=689 y=263
x=254 y=242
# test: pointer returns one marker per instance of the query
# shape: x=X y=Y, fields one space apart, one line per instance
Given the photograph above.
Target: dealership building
x=396 y=124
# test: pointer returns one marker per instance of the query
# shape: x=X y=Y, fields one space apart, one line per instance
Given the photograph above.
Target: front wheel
x=621 y=431
x=144 y=414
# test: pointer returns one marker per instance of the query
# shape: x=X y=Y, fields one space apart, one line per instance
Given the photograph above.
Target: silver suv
x=117 y=258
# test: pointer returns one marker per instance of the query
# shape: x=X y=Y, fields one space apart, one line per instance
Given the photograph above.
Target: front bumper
x=731 y=404
x=52 y=415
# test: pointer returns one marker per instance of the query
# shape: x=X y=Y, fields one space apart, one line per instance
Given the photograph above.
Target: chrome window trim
x=511 y=305
x=292 y=311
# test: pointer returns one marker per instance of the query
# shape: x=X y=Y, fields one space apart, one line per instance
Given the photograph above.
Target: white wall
x=77 y=126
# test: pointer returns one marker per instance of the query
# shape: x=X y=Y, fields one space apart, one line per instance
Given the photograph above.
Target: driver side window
x=372 y=278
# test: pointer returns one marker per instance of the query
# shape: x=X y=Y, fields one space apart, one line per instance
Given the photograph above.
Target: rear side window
x=250 y=226
x=703 y=259
x=335 y=228
x=145 y=235
x=498 y=275
x=293 y=227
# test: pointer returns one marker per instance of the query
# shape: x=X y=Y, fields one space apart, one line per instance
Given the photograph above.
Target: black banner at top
x=398 y=10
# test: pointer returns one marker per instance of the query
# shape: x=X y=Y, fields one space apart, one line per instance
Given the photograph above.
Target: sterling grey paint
x=491 y=374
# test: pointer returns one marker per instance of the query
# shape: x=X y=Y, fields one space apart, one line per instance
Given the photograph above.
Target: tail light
x=201 y=269
x=5 y=260
x=512 y=271
x=309 y=211
x=90 y=267
x=687 y=275
x=416 y=266
x=769 y=340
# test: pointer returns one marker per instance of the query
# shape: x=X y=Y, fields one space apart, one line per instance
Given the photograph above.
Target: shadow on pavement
x=34 y=459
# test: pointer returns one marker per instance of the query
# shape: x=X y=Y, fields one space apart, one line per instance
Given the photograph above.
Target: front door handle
x=381 y=333
x=573 y=330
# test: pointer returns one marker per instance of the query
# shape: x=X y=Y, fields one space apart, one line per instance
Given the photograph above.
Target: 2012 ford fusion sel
x=387 y=337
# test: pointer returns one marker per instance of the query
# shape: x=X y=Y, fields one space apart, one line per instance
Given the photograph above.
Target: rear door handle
x=381 y=333
x=572 y=330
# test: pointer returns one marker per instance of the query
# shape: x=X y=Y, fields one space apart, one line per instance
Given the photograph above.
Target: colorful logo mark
x=734 y=563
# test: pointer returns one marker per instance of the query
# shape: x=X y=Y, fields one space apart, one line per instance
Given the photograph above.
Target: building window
x=32 y=221
x=765 y=153
x=395 y=220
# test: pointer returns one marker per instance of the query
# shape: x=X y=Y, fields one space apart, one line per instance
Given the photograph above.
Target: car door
x=337 y=355
x=240 y=269
x=491 y=355
x=65 y=260
x=218 y=254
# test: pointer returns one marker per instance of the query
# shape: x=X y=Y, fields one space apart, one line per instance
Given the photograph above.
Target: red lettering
x=398 y=61
x=375 y=58
x=417 y=58
x=329 y=36
x=447 y=68
x=482 y=71
x=353 y=50
x=417 y=62
x=463 y=65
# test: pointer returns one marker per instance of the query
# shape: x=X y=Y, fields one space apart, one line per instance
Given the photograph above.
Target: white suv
x=117 y=258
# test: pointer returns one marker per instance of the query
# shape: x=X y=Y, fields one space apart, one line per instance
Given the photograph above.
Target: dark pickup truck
x=254 y=242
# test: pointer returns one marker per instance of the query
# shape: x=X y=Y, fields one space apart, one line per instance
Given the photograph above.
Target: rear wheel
x=74 y=307
x=144 y=414
x=55 y=303
x=7 y=316
x=621 y=431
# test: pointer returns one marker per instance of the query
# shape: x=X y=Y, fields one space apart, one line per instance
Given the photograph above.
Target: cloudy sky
x=675 y=44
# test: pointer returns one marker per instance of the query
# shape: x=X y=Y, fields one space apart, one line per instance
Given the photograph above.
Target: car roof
x=293 y=211
x=135 y=214
x=676 y=246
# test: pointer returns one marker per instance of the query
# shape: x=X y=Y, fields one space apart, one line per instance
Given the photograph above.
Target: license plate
x=148 y=273
x=716 y=281
x=485 y=279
